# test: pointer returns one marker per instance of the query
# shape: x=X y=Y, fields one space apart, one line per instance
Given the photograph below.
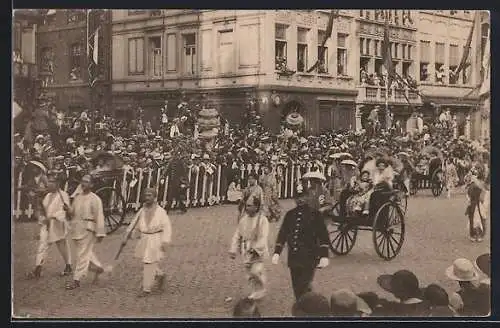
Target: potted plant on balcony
x=282 y=68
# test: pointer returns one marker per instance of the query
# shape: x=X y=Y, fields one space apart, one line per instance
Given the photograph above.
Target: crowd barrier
x=207 y=185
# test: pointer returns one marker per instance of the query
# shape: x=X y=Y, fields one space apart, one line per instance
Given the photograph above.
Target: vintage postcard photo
x=205 y=164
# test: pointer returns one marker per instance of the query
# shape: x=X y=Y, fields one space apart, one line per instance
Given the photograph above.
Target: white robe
x=254 y=233
x=153 y=235
x=53 y=204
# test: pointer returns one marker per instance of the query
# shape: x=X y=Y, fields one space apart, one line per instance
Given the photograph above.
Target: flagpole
x=91 y=89
x=387 y=102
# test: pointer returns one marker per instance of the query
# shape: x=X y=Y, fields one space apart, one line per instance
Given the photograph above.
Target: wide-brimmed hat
x=345 y=300
x=39 y=137
x=349 y=162
x=401 y=283
x=462 y=270
x=314 y=175
x=39 y=165
x=483 y=263
x=311 y=305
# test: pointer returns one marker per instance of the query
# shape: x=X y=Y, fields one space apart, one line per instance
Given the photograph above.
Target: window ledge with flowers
x=281 y=67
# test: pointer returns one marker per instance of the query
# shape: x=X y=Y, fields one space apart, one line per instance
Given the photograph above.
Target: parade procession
x=335 y=163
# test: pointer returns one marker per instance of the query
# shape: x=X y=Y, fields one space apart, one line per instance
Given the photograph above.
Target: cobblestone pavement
x=200 y=275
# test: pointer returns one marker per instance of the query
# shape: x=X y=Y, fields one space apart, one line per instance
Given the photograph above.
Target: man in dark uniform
x=304 y=231
x=177 y=172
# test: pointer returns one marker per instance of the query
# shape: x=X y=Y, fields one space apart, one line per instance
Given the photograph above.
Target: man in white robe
x=87 y=228
x=155 y=230
x=53 y=227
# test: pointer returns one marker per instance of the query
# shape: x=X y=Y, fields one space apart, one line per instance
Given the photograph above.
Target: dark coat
x=304 y=230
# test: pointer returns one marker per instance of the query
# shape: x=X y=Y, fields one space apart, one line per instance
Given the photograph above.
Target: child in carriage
x=360 y=201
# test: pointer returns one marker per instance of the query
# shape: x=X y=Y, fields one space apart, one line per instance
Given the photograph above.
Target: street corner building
x=326 y=65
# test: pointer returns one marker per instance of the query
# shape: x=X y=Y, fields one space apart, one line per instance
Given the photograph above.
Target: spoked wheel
x=342 y=235
x=437 y=184
x=388 y=230
x=114 y=208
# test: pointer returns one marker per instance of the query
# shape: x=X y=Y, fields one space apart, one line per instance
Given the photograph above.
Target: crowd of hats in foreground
x=472 y=298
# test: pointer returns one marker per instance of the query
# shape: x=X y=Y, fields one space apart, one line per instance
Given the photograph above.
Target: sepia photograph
x=250 y=164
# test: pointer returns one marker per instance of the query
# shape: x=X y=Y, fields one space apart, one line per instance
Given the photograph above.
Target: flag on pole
x=386 y=55
x=93 y=31
x=328 y=34
x=486 y=64
x=465 y=54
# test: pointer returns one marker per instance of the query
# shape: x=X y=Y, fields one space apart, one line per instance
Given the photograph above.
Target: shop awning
x=455 y=102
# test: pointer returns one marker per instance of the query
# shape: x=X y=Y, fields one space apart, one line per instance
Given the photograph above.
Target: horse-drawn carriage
x=429 y=175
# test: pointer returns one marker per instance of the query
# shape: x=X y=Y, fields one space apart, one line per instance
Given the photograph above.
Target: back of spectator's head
x=311 y=305
x=246 y=308
x=436 y=295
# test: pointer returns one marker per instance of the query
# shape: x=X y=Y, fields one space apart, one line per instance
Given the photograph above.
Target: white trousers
x=84 y=252
x=257 y=279
x=151 y=270
x=44 y=245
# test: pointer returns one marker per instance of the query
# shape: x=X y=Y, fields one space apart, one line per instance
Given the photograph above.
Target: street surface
x=200 y=275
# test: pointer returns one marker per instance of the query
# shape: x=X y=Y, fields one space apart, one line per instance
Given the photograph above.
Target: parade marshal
x=304 y=231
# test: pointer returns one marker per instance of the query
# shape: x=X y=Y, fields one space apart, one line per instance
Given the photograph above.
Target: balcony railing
x=375 y=94
x=24 y=70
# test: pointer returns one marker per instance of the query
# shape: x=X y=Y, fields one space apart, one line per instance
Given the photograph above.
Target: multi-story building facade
x=442 y=37
x=24 y=73
x=63 y=61
x=235 y=55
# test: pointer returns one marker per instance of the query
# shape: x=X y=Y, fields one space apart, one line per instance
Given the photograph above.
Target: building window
x=425 y=59
x=439 y=63
x=341 y=54
x=189 y=53
x=396 y=48
x=466 y=71
x=302 y=49
x=454 y=61
x=322 y=54
x=136 y=56
x=408 y=53
x=226 y=52
x=155 y=60
x=368 y=46
x=134 y=12
x=171 y=52
x=377 y=48
x=280 y=47
x=75 y=16
x=17 y=36
x=75 y=62
x=361 y=13
x=406 y=69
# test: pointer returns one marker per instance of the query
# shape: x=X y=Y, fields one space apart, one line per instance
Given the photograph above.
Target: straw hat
x=462 y=270
x=345 y=300
x=314 y=175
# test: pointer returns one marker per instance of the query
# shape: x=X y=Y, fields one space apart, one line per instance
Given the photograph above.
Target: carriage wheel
x=388 y=230
x=114 y=208
x=437 y=184
x=342 y=235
